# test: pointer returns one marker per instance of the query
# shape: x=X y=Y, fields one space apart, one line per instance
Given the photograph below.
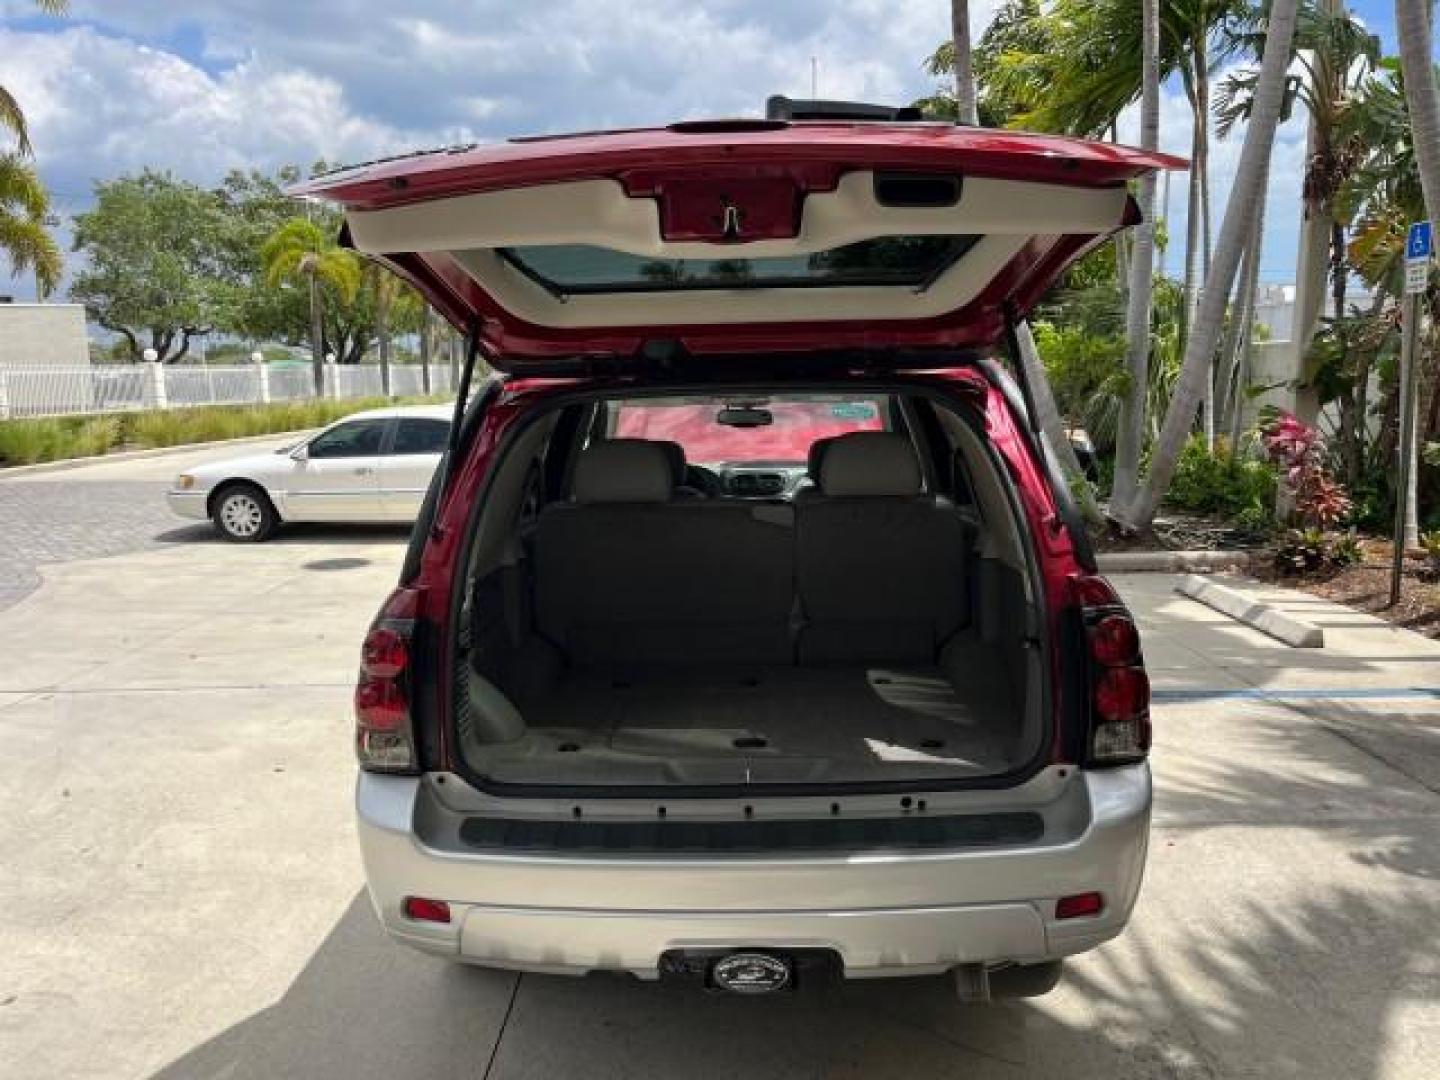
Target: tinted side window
x=421 y=437
x=361 y=438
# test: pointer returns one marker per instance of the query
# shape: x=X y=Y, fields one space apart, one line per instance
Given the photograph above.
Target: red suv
x=748 y=628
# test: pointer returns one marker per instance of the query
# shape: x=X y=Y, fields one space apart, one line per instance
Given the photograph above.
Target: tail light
x=384 y=732
x=1119 y=688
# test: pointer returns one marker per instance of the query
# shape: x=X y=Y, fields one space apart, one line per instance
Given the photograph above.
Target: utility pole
x=1417 y=276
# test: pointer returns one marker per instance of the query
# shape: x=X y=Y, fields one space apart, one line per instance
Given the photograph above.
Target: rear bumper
x=189 y=504
x=882 y=913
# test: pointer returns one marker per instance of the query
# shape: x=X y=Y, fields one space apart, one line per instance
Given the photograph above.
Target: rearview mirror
x=744 y=416
x=300 y=453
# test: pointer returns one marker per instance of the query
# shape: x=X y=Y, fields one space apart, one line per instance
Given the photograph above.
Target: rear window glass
x=421 y=437
x=886 y=260
x=717 y=431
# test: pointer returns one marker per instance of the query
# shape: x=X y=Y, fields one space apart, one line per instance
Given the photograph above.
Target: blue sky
x=202 y=87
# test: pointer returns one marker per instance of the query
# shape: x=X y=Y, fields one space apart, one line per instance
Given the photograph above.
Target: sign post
x=1418 y=247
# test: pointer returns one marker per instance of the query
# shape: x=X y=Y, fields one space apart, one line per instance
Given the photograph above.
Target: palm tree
x=11 y=115
x=1131 y=433
x=964 y=76
x=1334 y=55
x=300 y=251
x=1204 y=333
x=1403 y=154
x=24 y=219
x=1087 y=65
x=1412 y=27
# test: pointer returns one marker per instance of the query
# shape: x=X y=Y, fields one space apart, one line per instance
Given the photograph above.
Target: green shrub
x=1256 y=522
x=1345 y=550
x=25 y=442
x=1221 y=483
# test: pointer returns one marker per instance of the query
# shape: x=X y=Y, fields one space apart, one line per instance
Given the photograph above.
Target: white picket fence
x=46 y=391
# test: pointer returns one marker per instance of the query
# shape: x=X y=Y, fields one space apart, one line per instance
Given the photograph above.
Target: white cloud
x=100 y=106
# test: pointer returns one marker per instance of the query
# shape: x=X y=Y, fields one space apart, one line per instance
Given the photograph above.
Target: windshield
x=774 y=430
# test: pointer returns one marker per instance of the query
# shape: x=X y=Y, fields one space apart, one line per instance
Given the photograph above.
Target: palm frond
x=30 y=247
x=20 y=188
x=12 y=118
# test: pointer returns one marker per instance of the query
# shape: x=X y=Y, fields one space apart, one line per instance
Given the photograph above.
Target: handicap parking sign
x=1417 y=243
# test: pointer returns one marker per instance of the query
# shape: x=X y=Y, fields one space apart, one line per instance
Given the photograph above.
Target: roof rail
x=780 y=107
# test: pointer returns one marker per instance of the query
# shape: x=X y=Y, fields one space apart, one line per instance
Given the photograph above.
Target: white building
x=42 y=335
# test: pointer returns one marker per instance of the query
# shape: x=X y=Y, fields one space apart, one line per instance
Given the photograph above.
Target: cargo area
x=867 y=626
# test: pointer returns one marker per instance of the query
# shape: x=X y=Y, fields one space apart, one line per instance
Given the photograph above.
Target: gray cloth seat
x=625 y=575
x=881 y=567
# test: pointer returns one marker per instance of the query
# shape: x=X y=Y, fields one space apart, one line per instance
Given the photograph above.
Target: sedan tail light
x=1119 y=688
x=384 y=732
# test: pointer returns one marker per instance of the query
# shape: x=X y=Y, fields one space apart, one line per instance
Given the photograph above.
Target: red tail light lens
x=426 y=910
x=384 y=733
x=1079 y=906
x=1122 y=694
x=1095 y=592
x=386 y=652
x=1120 y=689
x=1114 y=640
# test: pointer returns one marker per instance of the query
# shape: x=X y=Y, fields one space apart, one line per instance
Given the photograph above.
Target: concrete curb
x=1297 y=633
x=65 y=464
x=1170 y=562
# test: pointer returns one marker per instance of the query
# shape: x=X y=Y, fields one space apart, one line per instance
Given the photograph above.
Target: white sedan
x=371 y=466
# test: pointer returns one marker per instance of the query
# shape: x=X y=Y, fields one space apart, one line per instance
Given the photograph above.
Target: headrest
x=623 y=471
x=816 y=458
x=870 y=463
x=675 y=454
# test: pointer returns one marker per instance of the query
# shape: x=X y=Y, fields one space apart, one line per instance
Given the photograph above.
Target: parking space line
x=1388 y=693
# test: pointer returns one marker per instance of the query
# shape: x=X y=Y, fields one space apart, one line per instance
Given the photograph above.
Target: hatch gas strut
x=1022 y=376
x=452 y=444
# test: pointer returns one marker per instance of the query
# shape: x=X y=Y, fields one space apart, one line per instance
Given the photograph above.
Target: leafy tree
x=255 y=207
x=300 y=252
x=1130 y=434
x=1414 y=31
x=12 y=116
x=1381 y=195
x=155 y=267
x=24 y=225
x=1072 y=66
x=1204 y=335
x=1016 y=29
x=1333 y=55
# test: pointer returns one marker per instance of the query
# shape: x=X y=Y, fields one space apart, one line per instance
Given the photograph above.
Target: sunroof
x=568 y=269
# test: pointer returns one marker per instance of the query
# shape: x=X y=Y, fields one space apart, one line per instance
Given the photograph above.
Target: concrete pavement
x=183 y=895
x=92 y=510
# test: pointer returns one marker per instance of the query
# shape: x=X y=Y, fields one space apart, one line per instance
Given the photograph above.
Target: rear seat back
x=881 y=567
x=625 y=575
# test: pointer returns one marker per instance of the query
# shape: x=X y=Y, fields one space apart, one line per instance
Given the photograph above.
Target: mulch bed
x=1366 y=587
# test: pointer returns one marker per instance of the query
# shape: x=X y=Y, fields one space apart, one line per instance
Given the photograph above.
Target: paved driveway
x=182 y=893
x=97 y=509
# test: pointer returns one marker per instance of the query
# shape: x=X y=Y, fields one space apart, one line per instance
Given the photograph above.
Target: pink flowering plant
x=1298 y=450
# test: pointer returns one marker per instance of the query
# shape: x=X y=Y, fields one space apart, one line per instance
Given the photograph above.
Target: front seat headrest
x=815 y=459
x=675 y=454
x=623 y=471
x=870 y=463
